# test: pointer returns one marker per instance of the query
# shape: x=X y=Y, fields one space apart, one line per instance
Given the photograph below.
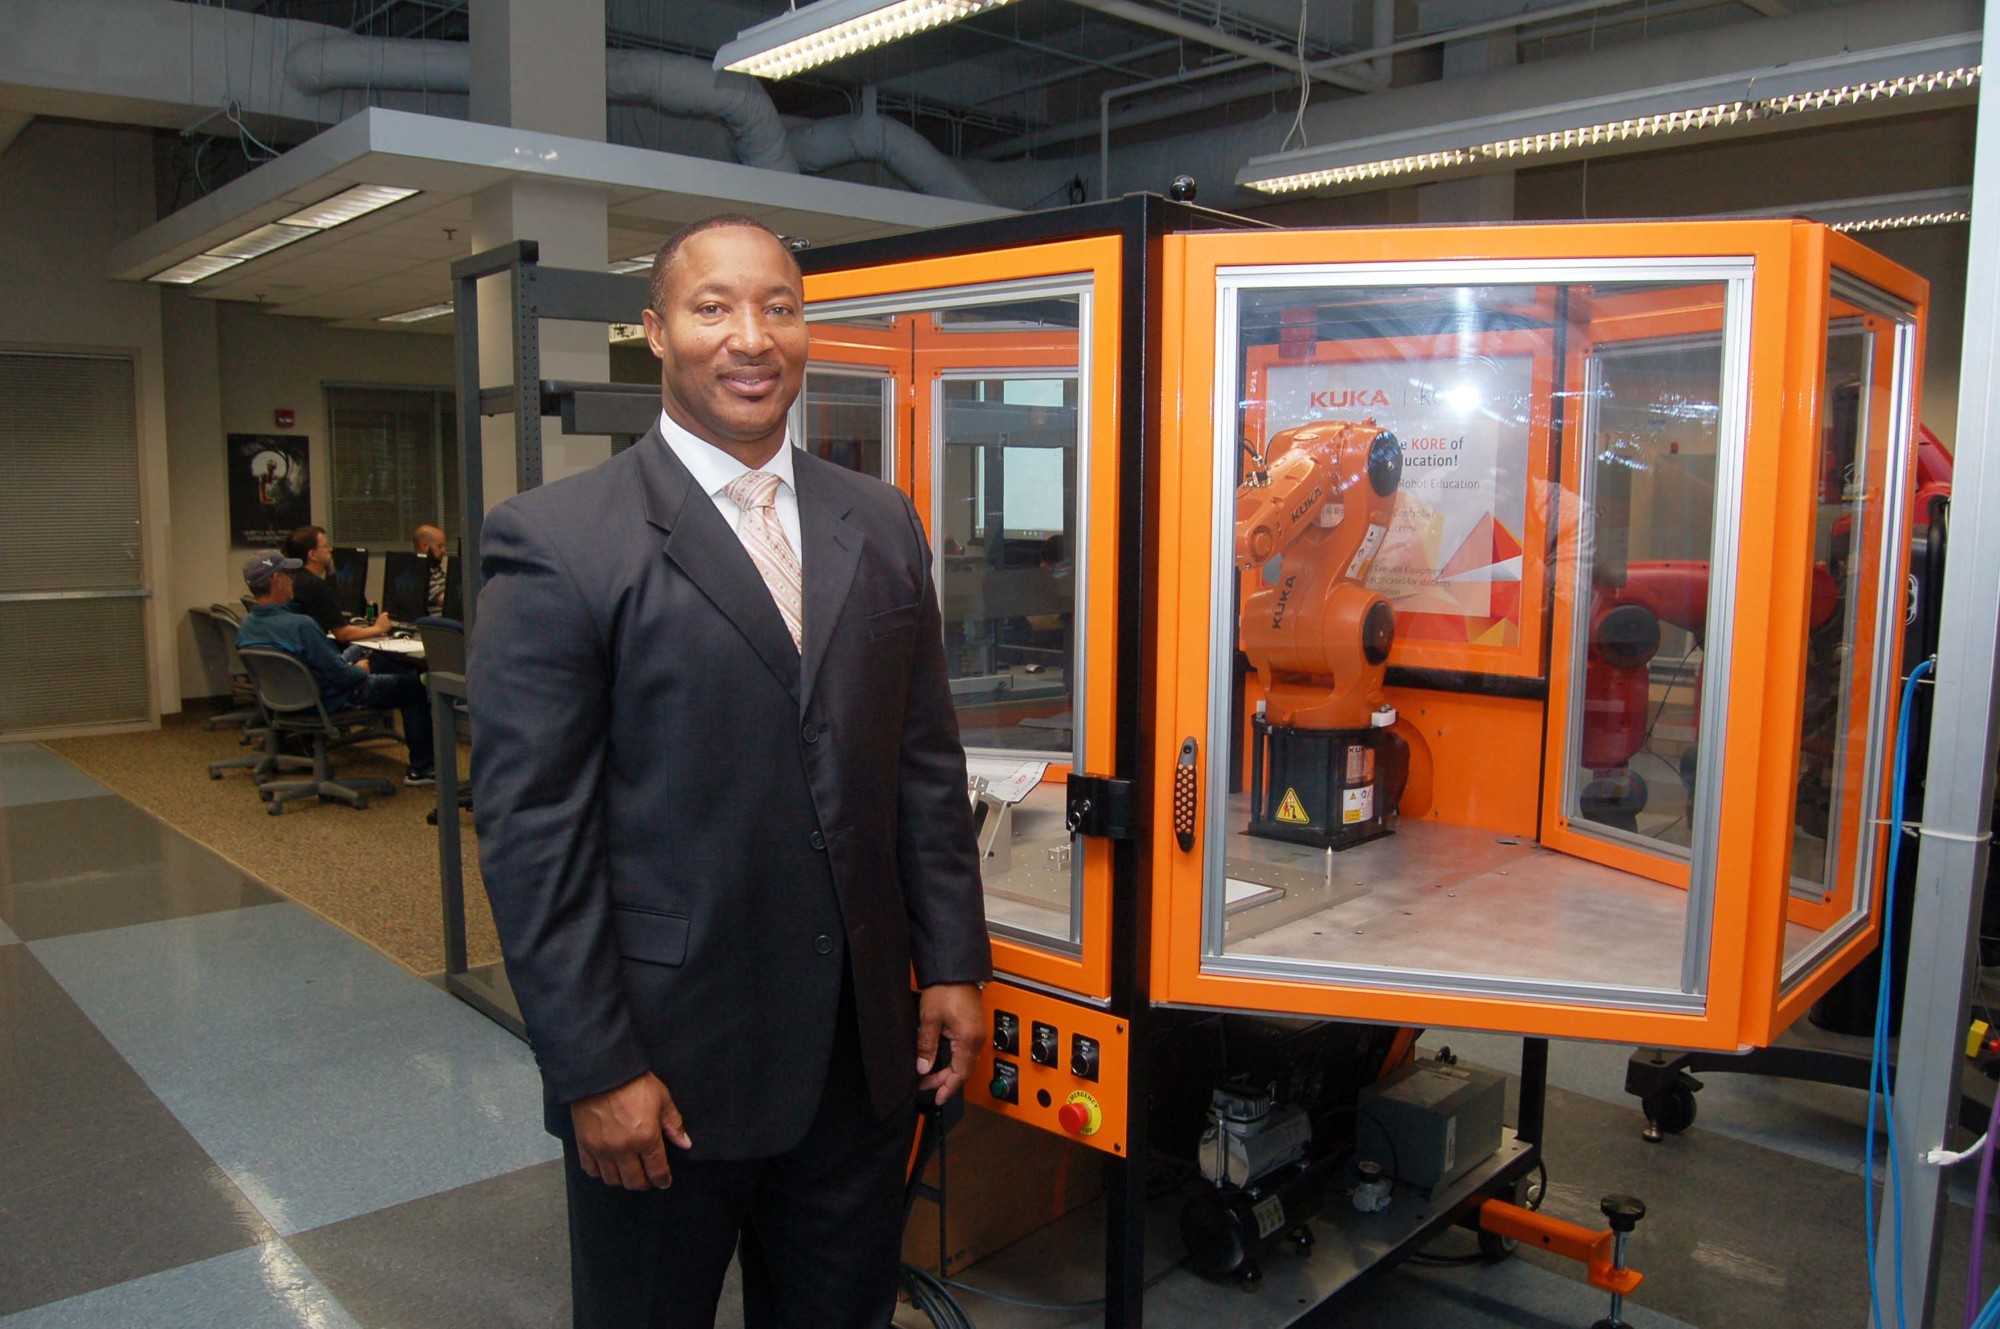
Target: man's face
x=431 y=545
x=731 y=338
x=320 y=561
x=280 y=589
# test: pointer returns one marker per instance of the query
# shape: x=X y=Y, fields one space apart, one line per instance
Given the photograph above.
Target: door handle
x=1186 y=804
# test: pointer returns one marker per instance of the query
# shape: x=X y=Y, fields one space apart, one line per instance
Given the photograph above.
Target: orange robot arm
x=1320 y=501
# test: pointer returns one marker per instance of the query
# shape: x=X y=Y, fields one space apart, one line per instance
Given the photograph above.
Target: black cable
x=929 y=1295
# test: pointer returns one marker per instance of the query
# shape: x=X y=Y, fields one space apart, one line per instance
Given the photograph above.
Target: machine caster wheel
x=1493 y=1248
x=1668 y=1112
x=215 y=775
x=1250 y=1279
x=276 y=809
x=361 y=803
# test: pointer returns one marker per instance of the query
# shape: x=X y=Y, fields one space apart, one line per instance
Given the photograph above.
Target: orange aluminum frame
x=1094 y=261
x=1788 y=300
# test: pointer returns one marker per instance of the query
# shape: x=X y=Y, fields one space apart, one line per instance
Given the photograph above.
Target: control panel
x=1054 y=1064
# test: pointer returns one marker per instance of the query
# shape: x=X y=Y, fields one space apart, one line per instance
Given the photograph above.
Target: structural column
x=539 y=65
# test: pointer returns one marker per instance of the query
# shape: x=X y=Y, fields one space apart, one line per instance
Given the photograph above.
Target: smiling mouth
x=751 y=382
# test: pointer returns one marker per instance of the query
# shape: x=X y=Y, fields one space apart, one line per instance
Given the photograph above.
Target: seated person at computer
x=428 y=541
x=315 y=599
x=276 y=625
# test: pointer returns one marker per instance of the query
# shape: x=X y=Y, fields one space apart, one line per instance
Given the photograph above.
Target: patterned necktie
x=756 y=492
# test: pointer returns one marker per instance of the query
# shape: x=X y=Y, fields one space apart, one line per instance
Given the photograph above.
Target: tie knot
x=753 y=489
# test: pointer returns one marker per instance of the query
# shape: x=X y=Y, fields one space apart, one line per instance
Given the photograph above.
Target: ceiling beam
x=1146 y=16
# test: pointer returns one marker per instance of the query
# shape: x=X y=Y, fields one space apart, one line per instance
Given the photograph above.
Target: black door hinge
x=1101 y=806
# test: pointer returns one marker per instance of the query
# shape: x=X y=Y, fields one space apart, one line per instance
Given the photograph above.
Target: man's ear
x=656 y=332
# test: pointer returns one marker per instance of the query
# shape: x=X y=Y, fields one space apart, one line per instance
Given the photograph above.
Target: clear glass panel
x=1865 y=423
x=1001 y=446
x=845 y=416
x=1418 y=456
x=1650 y=457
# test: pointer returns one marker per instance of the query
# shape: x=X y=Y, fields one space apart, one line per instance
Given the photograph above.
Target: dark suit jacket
x=686 y=829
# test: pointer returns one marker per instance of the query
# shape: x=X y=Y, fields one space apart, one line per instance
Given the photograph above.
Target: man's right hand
x=382 y=624
x=621 y=1134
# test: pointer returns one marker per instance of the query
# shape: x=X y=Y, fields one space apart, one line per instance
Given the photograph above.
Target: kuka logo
x=1333 y=399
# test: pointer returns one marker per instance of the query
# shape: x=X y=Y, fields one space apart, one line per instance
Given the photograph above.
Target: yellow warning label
x=1292 y=810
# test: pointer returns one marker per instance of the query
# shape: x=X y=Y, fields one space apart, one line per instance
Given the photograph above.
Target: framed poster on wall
x=270 y=488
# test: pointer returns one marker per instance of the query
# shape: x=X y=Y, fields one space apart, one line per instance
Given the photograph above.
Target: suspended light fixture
x=344 y=207
x=813 y=34
x=1856 y=79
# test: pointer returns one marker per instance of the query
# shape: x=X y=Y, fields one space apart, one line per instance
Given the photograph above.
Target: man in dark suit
x=722 y=819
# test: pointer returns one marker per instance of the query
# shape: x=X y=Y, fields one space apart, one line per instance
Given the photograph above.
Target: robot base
x=1329 y=788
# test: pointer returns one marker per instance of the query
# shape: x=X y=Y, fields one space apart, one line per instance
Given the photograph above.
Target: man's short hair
x=302 y=541
x=657 y=294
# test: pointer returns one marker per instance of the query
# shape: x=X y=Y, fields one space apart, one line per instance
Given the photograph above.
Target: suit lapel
x=831 y=553
x=701 y=545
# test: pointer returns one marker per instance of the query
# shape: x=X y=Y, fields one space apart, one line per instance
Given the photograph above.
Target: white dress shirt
x=713 y=470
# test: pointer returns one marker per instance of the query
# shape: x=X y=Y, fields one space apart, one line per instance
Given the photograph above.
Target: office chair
x=444 y=670
x=215 y=638
x=290 y=696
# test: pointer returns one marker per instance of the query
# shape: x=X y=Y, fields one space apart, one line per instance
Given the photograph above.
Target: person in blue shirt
x=275 y=625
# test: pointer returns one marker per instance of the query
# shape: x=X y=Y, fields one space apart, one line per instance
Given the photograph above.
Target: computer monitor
x=350 y=579
x=454 y=591
x=406 y=585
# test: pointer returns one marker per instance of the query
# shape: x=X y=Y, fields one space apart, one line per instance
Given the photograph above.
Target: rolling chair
x=289 y=694
x=215 y=637
x=444 y=667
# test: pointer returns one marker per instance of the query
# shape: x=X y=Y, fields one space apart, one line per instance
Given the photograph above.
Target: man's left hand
x=954 y=1010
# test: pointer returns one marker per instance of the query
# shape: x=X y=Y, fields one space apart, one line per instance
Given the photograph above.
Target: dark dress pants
x=820 y=1227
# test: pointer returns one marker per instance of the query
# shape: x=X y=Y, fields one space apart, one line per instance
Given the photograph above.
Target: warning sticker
x=1365 y=555
x=1292 y=811
x=1360 y=764
x=1357 y=805
x=1270 y=1215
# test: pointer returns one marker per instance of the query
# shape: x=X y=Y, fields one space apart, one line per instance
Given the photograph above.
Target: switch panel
x=1046 y=1040
x=1006 y=1083
x=1007 y=1033
x=1083 y=1057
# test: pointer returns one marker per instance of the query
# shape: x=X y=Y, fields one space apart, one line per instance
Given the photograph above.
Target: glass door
x=1008 y=369
x=1444 y=521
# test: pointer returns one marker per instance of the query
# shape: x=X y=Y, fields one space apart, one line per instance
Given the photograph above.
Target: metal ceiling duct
x=670 y=84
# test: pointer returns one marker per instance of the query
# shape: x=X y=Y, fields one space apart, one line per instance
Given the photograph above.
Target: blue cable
x=1878 y=1070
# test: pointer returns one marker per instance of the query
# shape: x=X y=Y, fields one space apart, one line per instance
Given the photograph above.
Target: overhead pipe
x=1146 y=16
x=671 y=84
x=821 y=145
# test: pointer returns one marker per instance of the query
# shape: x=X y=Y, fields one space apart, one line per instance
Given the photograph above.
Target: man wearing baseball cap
x=274 y=625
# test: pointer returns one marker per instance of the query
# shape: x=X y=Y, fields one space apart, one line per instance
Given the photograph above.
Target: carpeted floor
x=372 y=871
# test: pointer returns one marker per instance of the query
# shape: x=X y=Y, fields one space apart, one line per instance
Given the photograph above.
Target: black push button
x=823 y=944
x=1042 y=1047
x=1083 y=1057
x=1007 y=1033
x=818 y=840
x=810 y=733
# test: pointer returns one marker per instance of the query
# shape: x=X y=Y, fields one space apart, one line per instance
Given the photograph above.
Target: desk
x=407 y=646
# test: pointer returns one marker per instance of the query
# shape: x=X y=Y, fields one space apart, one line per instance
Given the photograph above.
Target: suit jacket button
x=810 y=733
x=823 y=944
x=818 y=840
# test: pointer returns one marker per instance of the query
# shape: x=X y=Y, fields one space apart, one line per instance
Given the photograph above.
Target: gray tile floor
x=218 y=1110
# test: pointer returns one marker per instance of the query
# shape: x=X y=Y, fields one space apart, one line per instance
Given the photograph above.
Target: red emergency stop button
x=1080 y=1114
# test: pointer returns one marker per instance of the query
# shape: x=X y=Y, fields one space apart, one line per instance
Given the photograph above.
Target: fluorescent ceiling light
x=829 y=29
x=418 y=315
x=259 y=242
x=358 y=201
x=346 y=206
x=189 y=271
x=1939 y=65
x=1904 y=222
x=637 y=263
